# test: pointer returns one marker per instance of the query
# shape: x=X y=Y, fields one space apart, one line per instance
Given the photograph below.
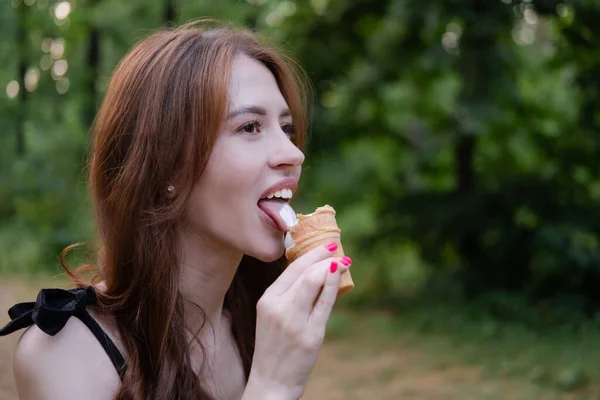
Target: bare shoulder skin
x=70 y=365
x=73 y=365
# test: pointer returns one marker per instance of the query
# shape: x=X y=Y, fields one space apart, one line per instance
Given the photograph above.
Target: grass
x=419 y=353
x=552 y=363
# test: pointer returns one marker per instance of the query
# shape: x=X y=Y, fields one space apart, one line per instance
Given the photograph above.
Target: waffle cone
x=315 y=230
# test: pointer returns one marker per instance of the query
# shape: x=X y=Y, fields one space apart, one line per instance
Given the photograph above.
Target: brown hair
x=157 y=126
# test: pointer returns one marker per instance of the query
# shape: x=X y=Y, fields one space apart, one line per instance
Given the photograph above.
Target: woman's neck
x=207 y=270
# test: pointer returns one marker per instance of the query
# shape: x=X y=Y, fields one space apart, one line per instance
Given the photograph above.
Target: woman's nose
x=286 y=153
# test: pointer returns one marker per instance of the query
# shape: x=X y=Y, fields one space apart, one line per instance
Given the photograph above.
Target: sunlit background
x=458 y=141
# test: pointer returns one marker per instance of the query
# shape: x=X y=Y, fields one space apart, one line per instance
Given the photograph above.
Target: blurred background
x=458 y=141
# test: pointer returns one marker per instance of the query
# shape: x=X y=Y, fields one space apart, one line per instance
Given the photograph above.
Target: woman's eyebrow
x=255 y=110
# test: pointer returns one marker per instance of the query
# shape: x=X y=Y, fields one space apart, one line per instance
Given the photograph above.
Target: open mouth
x=272 y=204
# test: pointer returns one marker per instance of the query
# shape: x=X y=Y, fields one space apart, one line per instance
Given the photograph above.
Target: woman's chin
x=269 y=258
x=267 y=249
x=270 y=255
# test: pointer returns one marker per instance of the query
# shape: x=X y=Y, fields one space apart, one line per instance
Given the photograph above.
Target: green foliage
x=491 y=173
x=458 y=141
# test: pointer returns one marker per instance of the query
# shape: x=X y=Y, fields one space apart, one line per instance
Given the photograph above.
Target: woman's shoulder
x=70 y=364
x=58 y=356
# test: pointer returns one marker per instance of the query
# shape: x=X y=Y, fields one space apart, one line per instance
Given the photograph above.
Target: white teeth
x=282 y=194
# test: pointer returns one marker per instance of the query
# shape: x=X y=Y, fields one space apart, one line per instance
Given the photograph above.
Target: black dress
x=53 y=309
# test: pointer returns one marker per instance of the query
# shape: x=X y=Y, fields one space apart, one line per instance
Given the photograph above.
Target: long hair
x=157 y=126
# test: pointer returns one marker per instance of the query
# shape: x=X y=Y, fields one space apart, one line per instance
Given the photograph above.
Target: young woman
x=199 y=126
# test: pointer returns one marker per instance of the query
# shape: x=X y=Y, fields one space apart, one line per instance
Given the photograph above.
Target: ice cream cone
x=318 y=229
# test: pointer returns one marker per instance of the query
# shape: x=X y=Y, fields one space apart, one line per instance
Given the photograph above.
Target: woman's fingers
x=317 y=320
x=298 y=267
x=289 y=330
x=306 y=289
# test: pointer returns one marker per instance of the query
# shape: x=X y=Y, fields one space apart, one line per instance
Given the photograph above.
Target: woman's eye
x=251 y=128
x=289 y=129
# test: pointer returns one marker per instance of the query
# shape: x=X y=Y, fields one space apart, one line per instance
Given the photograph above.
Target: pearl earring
x=170 y=189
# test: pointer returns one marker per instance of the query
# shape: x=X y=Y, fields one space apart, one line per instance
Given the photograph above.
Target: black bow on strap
x=51 y=311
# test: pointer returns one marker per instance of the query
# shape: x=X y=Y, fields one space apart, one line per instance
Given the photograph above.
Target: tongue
x=273 y=208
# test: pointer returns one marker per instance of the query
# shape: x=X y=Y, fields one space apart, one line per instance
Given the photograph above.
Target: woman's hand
x=291 y=320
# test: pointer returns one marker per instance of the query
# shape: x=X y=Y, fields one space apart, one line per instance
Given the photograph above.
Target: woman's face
x=252 y=158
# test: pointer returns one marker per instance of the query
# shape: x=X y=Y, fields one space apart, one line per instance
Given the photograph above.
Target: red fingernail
x=331 y=246
x=346 y=260
x=333 y=267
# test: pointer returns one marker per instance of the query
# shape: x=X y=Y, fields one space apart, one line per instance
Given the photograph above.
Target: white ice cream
x=288 y=242
x=288 y=215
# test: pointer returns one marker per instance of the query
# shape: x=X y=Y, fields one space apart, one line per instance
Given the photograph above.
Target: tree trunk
x=169 y=12
x=93 y=63
x=475 y=76
x=468 y=242
x=464 y=153
x=22 y=102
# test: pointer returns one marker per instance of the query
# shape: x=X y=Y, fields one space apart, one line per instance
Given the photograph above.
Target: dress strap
x=52 y=310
